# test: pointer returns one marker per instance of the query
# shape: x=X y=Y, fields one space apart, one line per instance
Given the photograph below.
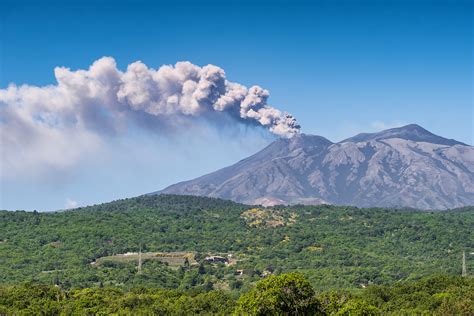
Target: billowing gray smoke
x=84 y=105
x=183 y=89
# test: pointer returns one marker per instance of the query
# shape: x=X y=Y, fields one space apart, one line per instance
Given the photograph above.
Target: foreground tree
x=285 y=294
x=357 y=308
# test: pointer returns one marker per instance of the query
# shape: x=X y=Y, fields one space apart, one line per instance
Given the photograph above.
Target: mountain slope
x=400 y=167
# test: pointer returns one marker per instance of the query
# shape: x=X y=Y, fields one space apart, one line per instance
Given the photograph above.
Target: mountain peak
x=307 y=140
x=413 y=132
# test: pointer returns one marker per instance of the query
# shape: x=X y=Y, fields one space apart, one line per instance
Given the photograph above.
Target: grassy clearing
x=173 y=259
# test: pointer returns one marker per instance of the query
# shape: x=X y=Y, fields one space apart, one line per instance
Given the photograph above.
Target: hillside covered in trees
x=154 y=246
x=335 y=247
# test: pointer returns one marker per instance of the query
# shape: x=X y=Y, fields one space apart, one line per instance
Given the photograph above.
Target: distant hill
x=399 y=167
x=334 y=246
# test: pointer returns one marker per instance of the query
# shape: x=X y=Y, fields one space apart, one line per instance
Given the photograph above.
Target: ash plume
x=58 y=123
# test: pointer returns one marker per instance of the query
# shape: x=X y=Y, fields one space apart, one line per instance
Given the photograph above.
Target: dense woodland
x=379 y=259
x=285 y=294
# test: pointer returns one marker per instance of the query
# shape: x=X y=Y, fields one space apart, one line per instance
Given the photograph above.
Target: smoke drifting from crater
x=54 y=125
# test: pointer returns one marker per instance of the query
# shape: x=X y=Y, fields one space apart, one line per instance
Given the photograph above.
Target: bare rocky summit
x=399 y=167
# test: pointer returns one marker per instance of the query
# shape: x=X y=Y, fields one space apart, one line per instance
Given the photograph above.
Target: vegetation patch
x=258 y=217
x=314 y=248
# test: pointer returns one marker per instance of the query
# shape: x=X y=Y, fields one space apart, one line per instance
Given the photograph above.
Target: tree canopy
x=286 y=294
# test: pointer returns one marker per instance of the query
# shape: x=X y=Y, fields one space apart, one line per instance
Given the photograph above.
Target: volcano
x=406 y=167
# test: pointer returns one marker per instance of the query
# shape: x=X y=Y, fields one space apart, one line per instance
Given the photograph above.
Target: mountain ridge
x=413 y=132
x=401 y=167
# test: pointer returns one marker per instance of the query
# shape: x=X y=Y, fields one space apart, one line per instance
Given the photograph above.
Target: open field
x=173 y=259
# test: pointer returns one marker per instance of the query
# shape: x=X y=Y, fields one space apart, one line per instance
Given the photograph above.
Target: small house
x=216 y=259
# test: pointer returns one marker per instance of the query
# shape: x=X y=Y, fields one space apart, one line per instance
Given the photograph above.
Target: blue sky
x=339 y=67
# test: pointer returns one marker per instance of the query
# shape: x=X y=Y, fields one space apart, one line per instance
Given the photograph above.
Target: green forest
x=285 y=294
x=151 y=254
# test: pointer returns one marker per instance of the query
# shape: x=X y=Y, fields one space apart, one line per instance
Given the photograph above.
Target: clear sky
x=339 y=67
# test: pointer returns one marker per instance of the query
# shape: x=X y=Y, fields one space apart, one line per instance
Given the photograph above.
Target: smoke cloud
x=56 y=124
